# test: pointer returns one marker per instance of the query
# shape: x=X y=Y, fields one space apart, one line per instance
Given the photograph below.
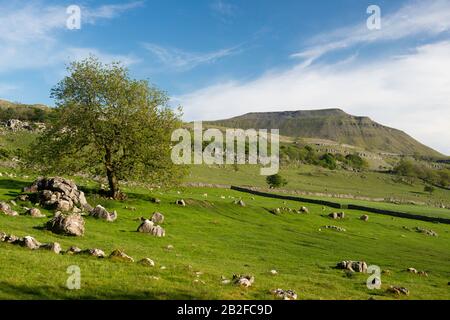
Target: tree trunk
x=113 y=183
x=111 y=174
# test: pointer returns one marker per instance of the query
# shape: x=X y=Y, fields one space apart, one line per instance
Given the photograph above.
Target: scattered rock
x=12 y=239
x=364 y=217
x=35 y=213
x=335 y=228
x=121 y=256
x=427 y=232
x=94 y=252
x=6 y=209
x=148 y=227
x=71 y=224
x=181 y=202
x=353 y=266
x=147 y=262
x=240 y=202
x=13 y=202
x=100 y=212
x=54 y=246
x=243 y=280
x=156 y=200
x=285 y=295
x=73 y=250
x=169 y=247
x=304 y=210
x=30 y=243
x=276 y=211
x=157 y=217
x=412 y=270
x=273 y=272
x=398 y=290
x=337 y=215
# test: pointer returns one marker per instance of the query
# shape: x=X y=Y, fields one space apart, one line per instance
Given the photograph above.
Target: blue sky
x=221 y=58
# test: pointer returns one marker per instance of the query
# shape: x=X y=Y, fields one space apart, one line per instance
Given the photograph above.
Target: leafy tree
x=108 y=123
x=405 y=168
x=276 y=181
x=328 y=161
x=356 y=161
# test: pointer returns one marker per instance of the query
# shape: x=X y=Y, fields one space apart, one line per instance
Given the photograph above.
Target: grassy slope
x=216 y=237
x=320 y=180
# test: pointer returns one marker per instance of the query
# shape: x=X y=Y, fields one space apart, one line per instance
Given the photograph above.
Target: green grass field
x=216 y=237
x=380 y=186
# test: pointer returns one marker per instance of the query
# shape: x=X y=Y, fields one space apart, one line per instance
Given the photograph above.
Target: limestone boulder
x=30 y=243
x=35 y=213
x=285 y=294
x=6 y=209
x=354 y=266
x=67 y=224
x=100 y=212
x=157 y=217
x=119 y=255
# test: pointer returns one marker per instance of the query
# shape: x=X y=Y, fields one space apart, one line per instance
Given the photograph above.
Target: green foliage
x=107 y=123
x=34 y=113
x=276 y=181
x=408 y=168
x=328 y=161
x=356 y=161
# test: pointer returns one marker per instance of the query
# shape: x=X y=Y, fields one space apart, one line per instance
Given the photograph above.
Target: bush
x=328 y=161
x=276 y=181
x=356 y=161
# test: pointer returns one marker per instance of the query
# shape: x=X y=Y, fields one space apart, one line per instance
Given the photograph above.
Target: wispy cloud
x=179 y=60
x=416 y=18
x=223 y=7
x=224 y=10
x=32 y=34
x=408 y=92
x=110 y=11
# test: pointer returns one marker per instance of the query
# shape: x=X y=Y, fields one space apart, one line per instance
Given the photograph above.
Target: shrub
x=276 y=181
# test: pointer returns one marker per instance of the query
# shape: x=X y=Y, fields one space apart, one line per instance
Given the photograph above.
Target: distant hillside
x=27 y=112
x=332 y=124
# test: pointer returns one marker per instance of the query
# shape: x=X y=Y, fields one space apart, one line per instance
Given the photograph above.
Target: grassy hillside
x=332 y=124
x=334 y=183
x=213 y=237
x=28 y=112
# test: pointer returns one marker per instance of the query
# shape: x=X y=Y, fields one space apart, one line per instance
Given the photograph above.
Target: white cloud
x=409 y=92
x=179 y=60
x=223 y=8
x=109 y=11
x=32 y=34
x=430 y=17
